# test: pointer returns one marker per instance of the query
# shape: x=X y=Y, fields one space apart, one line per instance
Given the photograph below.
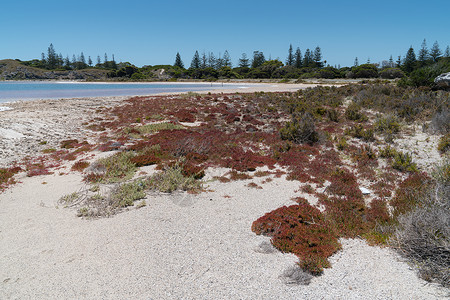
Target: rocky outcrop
x=443 y=80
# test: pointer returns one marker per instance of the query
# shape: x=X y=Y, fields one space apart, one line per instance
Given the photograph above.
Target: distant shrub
x=353 y=113
x=300 y=130
x=115 y=168
x=391 y=73
x=387 y=124
x=365 y=71
x=172 y=179
x=444 y=143
x=403 y=162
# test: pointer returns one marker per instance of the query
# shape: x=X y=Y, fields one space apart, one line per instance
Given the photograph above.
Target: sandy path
x=177 y=247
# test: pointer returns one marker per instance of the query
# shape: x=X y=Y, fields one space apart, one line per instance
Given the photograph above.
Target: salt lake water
x=32 y=90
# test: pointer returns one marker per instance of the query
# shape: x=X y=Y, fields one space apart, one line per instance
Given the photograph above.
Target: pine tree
x=67 y=62
x=435 y=52
x=90 y=61
x=204 y=62
x=308 y=58
x=447 y=52
x=82 y=59
x=290 y=57
x=212 y=61
x=99 y=61
x=178 y=61
x=356 y=63
x=410 y=60
x=219 y=62
x=195 y=63
x=113 y=63
x=317 y=58
x=227 y=59
x=258 y=59
x=399 y=61
x=298 y=62
x=391 y=62
x=51 y=57
x=423 y=53
x=106 y=59
x=244 y=62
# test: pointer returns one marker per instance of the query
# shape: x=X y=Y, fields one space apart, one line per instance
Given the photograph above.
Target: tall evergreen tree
x=51 y=57
x=308 y=58
x=244 y=62
x=219 y=62
x=447 y=52
x=178 y=61
x=82 y=58
x=423 y=53
x=67 y=62
x=90 y=61
x=212 y=61
x=227 y=59
x=106 y=60
x=435 y=52
x=298 y=62
x=410 y=60
x=317 y=57
x=258 y=59
x=204 y=62
x=356 y=62
x=99 y=61
x=399 y=61
x=195 y=63
x=391 y=62
x=290 y=57
x=113 y=63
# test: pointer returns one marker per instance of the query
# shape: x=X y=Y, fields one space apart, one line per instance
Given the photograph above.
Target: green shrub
x=124 y=194
x=300 y=130
x=115 y=168
x=387 y=124
x=403 y=162
x=444 y=143
x=353 y=113
x=392 y=73
x=172 y=179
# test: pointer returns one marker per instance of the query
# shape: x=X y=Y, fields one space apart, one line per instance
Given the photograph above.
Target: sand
x=179 y=246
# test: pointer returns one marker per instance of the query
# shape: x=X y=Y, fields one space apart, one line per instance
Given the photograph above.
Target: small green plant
x=125 y=194
x=353 y=113
x=172 y=179
x=300 y=130
x=444 y=143
x=115 y=168
x=387 y=124
x=403 y=162
x=342 y=144
x=69 y=199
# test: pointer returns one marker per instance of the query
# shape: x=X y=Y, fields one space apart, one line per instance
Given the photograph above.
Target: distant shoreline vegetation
x=411 y=69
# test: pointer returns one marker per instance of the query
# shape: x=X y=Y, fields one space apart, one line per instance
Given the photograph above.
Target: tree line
x=297 y=65
x=54 y=61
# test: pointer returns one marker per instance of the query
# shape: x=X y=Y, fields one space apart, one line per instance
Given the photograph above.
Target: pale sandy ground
x=179 y=246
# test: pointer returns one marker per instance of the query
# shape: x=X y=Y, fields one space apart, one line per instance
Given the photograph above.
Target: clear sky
x=152 y=32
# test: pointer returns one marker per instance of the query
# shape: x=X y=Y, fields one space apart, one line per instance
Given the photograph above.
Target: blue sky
x=151 y=32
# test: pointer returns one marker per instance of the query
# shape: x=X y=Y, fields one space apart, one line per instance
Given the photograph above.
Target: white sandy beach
x=179 y=246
